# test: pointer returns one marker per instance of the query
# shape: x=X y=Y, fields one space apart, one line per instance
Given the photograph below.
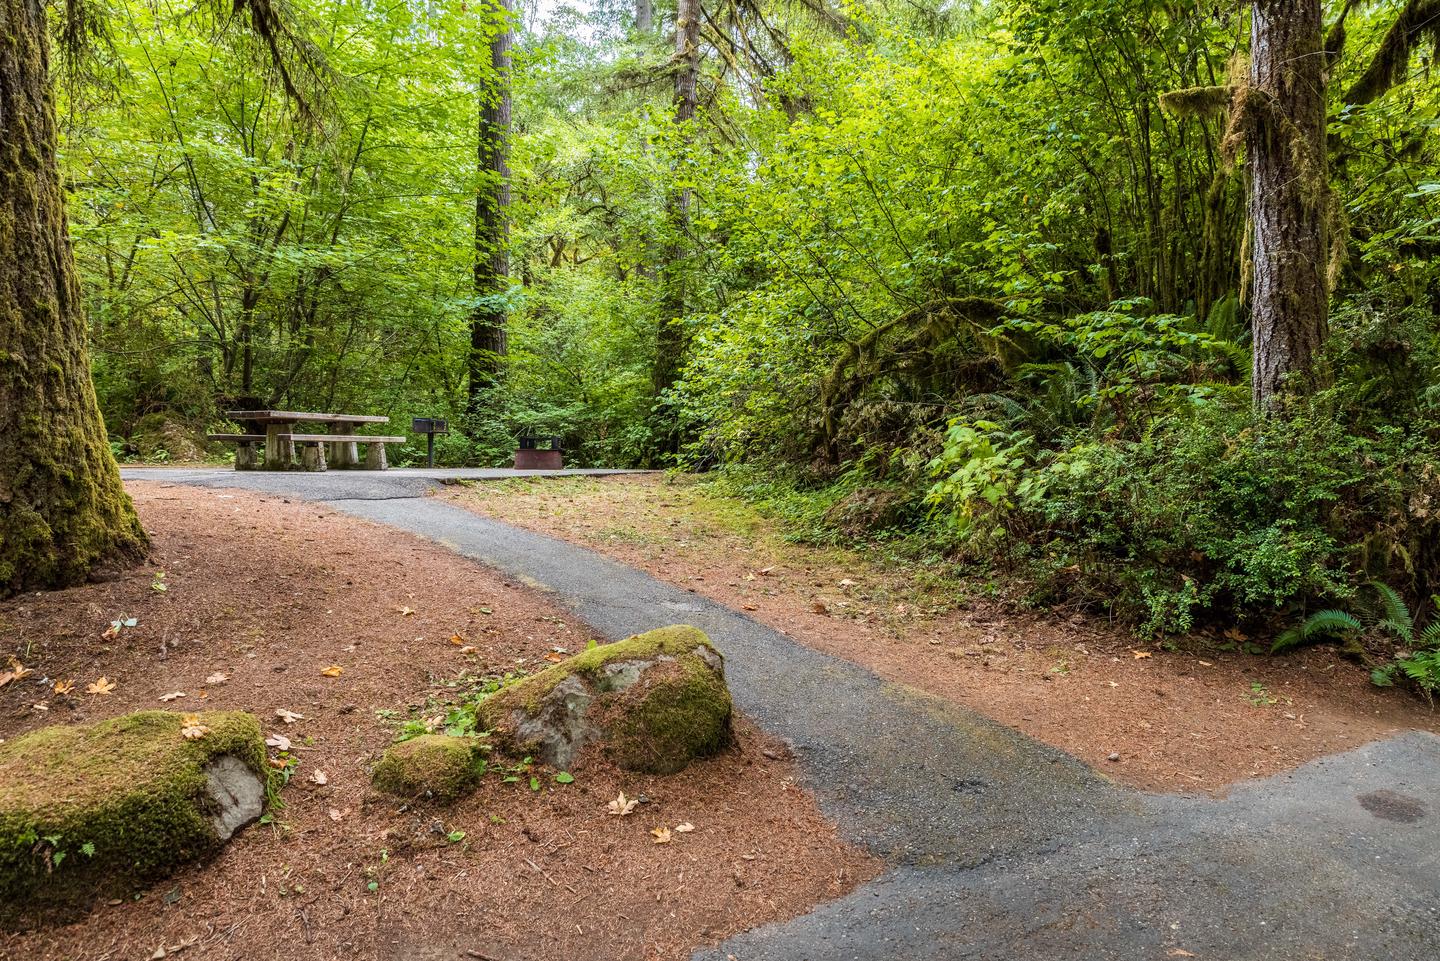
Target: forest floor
x=261 y=594
x=1191 y=717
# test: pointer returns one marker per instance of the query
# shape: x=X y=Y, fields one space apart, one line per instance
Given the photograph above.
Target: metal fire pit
x=539 y=453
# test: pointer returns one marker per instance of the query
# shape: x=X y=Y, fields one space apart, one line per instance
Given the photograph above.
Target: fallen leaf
x=173 y=695
x=622 y=805
x=468 y=649
x=191 y=729
x=279 y=763
x=662 y=835
x=336 y=814
x=219 y=677
x=6 y=678
x=819 y=607
x=847 y=582
x=1235 y=634
x=405 y=611
x=554 y=658
x=112 y=631
x=64 y=687
x=17 y=669
x=102 y=686
x=319 y=777
x=1138 y=655
x=278 y=741
x=334 y=670
x=685 y=827
x=457 y=640
x=289 y=717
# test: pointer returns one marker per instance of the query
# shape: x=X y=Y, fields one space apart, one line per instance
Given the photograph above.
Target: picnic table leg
x=345 y=453
x=375 y=457
x=278 y=453
x=244 y=455
x=312 y=456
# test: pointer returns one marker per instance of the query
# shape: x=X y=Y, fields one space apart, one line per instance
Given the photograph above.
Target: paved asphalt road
x=998 y=847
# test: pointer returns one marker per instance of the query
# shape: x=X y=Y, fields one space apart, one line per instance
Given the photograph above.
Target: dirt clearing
x=249 y=602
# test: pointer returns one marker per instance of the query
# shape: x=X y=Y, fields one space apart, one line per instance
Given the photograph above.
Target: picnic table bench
x=281 y=437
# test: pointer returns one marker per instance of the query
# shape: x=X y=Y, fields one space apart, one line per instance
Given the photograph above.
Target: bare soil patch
x=270 y=594
x=1194 y=719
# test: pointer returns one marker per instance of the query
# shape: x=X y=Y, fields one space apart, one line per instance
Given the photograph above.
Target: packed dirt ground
x=245 y=603
x=1193 y=717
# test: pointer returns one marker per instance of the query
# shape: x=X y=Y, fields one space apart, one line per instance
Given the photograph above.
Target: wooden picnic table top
x=293 y=416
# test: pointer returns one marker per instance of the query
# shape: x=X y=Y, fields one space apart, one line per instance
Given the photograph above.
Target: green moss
x=678 y=709
x=674 y=641
x=107 y=806
x=433 y=767
x=677 y=712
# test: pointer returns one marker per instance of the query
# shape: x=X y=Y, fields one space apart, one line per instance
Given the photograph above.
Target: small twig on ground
x=542 y=871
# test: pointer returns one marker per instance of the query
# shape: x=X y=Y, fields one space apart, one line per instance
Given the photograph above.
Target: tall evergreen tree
x=488 y=341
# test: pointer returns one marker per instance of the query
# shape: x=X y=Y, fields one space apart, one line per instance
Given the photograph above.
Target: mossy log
x=653 y=703
x=101 y=809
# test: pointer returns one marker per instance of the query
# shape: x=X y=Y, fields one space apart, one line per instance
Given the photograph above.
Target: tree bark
x=1285 y=147
x=488 y=340
x=62 y=507
x=669 y=338
x=644 y=16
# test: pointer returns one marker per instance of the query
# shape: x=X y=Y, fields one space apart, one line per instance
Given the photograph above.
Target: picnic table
x=281 y=438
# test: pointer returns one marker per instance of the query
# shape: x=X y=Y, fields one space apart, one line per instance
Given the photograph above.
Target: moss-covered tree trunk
x=1285 y=145
x=62 y=507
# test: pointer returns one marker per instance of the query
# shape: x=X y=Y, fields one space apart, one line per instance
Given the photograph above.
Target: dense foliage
x=956 y=267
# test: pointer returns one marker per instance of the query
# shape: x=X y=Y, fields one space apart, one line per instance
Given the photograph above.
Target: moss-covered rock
x=653 y=702
x=157 y=436
x=432 y=767
x=106 y=807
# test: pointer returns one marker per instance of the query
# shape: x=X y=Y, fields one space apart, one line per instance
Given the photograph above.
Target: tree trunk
x=670 y=339
x=644 y=16
x=488 y=342
x=62 y=507
x=1285 y=146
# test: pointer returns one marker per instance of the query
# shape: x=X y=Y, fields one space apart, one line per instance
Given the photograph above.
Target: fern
x=1330 y=623
x=1390 y=611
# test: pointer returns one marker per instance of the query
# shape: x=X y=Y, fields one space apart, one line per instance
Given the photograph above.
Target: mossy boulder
x=653 y=703
x=156 y=436
x=432 y=767
x=103 y=808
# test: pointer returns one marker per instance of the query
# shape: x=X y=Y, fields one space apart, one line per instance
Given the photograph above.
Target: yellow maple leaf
x=334 y=670
x=457 y=640
x=102 y=686
x=1139 y=654
x=191 y=729
x=64 y=687
x=662 y=835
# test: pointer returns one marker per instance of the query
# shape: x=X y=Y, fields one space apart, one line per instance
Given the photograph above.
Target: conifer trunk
x=669 y=337
x=62 y=507
x=488 y=340
x=1288 y=197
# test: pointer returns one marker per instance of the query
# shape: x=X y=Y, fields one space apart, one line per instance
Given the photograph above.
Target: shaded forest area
x=1130 y=304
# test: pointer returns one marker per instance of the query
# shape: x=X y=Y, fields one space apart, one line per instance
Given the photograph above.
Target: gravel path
x=1001 y=847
